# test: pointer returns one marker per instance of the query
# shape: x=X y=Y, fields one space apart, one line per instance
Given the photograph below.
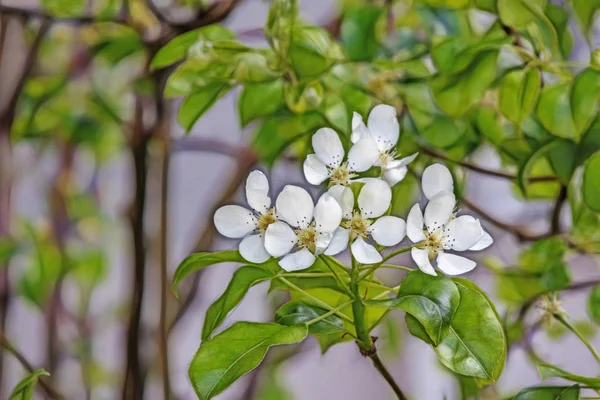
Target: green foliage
x=224 y=358
x=593 y=304
x=519 y=92
x=25 y=388
x=591 y=183
x=298 y=312
x=552 y=371
x=549 y=393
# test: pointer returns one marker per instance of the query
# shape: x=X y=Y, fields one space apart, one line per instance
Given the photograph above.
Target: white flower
x=367 y=222
x=307 y=226
x=238 y=222
x=440 y=229
x=375 y=143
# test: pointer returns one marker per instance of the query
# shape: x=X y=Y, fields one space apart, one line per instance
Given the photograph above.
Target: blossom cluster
x=296 y=230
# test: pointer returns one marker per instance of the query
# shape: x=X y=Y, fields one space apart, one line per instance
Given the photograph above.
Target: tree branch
x=555 y=216
x=40 y=14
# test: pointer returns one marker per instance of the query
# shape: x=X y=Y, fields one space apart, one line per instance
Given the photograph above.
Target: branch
x=386 y=375
x=40 y=14
x=555 y=216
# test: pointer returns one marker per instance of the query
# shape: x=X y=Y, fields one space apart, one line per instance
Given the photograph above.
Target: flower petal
x=323 y=241
x=403 y=162
x=483 y=243
x=339 y=242
x=383 y=126
x=253 y=250
x=314 y=170
x=279 y=239
x=374 y=198
x=359 y=129
x=436 y=179
x=257 y=191
x=345 y=198
x=328 y=147
x=296 y=261
x=388 y=230
x=395 y=175
x=295 y=206
x=364 y=252
x=462 y=233
x=421 y=258
x=439 y=210
x=451 y=264
x=414 y=224
x=234 y=221
x=328 y=213
x=363 y=155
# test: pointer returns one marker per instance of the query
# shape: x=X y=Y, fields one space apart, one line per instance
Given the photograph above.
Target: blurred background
x=102 y=195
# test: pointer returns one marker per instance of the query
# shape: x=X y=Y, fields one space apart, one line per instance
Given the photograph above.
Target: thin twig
x=40 y=14
x=555 y=216
x=386 y=375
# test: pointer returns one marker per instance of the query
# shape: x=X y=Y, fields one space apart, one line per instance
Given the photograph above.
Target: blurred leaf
x=552 y=371
x=200 y=101
x=25 y=388
x=559 y=18
x=593 y=304
x=312 y=51
x=549 y=393
x=359 y=32
x=591 y=182
x=197 y=261
x=260 y=100
x=447 y=3
x=280 y=23
x=432 y=300
x=243 y=279
x=487 y=124
x=8 y=247
x=298 y=312
x=304 y=96
x=64 y=8
x=526 y=167
x=519 y=13
x=585 y=11
x=226 y=357
x=519 y=92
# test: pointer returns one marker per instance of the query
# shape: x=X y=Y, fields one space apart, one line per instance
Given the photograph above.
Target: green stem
x=307 y=274
x=337 y=277
x=329 y=313
x=584 y=340
x=378 y=265
x=360 y=316
x=400 y=267
x=316 y=300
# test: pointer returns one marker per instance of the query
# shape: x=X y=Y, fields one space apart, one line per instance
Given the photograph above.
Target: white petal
x=414 y=224
x=295 y=206
x=296 y=261
x=395 y=175
x=483 y=243
x=462 y=233
x=451 y=264
x=234 y=221
x=359 y=129
x=364 y=252
x=323 y=241
x=363 y=155
x=383 y=126
x=279 y=239
x=436 y=179
x=314 y=170
x=374 y=198
x=344 y=197
x=328 y=147
x=439 y=210
x=403 y=162
x=339 y=241
x=253 y=249
x=421 y=258
x=328 y=213
x=257 y=191
x=388 y=230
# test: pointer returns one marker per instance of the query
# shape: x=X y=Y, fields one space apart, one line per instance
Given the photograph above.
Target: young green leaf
x=526 y=167
x=197 y=103
x=312 y=51
x=198 y=261
x=299 y=312
x=593 y=304
x=359 y=32
x=519 y=92
x=25 y=388
x=585 y=11
x=243 y=279
x=223 y=359
x=549 y=393
x=260 y=100
x=519 y=13
x=591 y=182
x=552 y=371
x=432 y=300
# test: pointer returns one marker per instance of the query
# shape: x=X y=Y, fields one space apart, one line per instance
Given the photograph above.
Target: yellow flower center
x=266 y=219
x=307 y=238
x=358 y=226
x=341 y=176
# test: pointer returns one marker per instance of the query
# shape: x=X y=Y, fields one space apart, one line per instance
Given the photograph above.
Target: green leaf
x=25 y=388
x=455 y=94
x=475 y=344
x=197 y=103
x=432 y=300
x=519 y=13
x=312 y=51
x=447 y=3
x=591 y=183
x=519 y=93
x=8 y=248
x=243 y=279
x=585 y=11
x=359 y=32
x=554 y=111
x=526 y=167
x=223 y=359
x=197 y=261
x=299 y=312
x=549 y=393
x=177 y=48
x=260 y=100
x=552 y=371
x=593 y=304
x=584 y=100
x=280 y=22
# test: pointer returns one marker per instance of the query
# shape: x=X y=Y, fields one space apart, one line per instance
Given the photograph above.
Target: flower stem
x=583 y=339
x=375 y=267
x=343 y=286
x=328 y=313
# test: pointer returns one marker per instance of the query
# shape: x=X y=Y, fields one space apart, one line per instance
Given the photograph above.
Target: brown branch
x=555 y=216
x=40 y=14
x=481 y=170
x=380 y=366
x=48 y=387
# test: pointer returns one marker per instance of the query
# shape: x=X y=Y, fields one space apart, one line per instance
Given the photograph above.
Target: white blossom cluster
x=296 y=230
